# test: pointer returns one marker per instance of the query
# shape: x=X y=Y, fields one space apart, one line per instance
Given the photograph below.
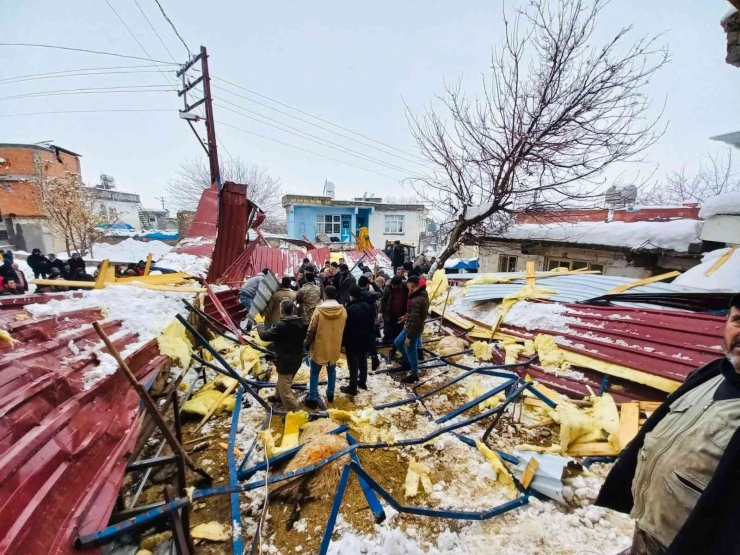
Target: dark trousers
x=391 y=329
x=39 y=273
x=357 y=362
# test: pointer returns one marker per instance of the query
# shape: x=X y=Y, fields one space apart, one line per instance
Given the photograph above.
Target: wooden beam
x=598 y=449
x=160 y=279
x=626 y=286
x=531 y=274
x=148 y=266
x=528 y=474
x=722 y=259
x=102 y=274
x=629 y=423
x=174 y=288
x=64 y=283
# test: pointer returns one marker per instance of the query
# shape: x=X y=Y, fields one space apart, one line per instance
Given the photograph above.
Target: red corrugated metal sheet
x=63 y=448
x=233 y=216
x=373 y=257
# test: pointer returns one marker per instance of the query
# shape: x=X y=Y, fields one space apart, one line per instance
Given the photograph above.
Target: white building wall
x=128 y=211
x=723 y=228
x=414 y=225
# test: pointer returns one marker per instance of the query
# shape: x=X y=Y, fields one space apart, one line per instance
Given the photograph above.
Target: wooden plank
x=531 y=276
x=650 y=406
x=629 y=423
x=529 y=471
x=102 y=274
x=599 y=449
x=626 y=286
x=717 y=265
x=64 y=283
x=160 y=279
x=174 y=288
x=148 y=266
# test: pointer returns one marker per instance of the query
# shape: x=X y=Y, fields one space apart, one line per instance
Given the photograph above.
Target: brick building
x=22 y=168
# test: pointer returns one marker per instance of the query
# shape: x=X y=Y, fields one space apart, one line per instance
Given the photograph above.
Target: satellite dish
x=329 y=189
x=628 y=195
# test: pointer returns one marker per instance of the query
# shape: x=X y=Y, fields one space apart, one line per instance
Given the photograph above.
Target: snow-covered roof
x=728 y=203
x=674 y=235
x=724 y=278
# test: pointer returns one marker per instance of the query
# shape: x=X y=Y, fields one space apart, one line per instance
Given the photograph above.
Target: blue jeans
x=313 y=384
x=410 y=354
x=246 y=302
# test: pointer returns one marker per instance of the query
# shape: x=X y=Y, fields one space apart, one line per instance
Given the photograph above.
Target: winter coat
x=38 y=262
x=399 y=256
x=359 y=332
x=417 y=312
x=287 y=338
x=75 y=263
x=22 y=281
x=272 y=310
x=325 y=332
x=711 y=527
x=343 y=282
x=56 y=263
x=308 y=298
x=386 y=303
x=251 y=286
x=7 y=272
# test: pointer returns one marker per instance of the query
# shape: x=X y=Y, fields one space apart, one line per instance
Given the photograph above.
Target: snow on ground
x=725 y=278
x=189 y=263
x=729 y=203
x=675 y=235
x=128 y=250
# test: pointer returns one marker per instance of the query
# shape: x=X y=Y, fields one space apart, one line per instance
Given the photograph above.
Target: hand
x=380 y=318
x=403 y=318
x=408 y=342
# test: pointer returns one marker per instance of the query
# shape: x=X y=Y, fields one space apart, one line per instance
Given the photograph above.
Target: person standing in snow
x=408 y=342
x=272 y=310
x=342 y=282
x=678 y=477
x=287 y=343
x=393 y=306
x=398 y=256
x=358 y=339
x=308 y=298
x=249 y=290
x=324 y=341
x=76 y=262
x=39 y=264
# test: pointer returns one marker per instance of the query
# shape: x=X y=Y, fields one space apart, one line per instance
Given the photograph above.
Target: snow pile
x=142 y=311
x=729 y=203
x=542 y=316
x=725 y=278
x=188 y=263
x=128 y=250
x=675 y=235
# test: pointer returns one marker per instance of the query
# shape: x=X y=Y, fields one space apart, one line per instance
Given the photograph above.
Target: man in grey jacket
x=249 y=289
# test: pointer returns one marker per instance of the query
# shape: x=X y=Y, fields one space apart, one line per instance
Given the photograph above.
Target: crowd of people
x=320 y=311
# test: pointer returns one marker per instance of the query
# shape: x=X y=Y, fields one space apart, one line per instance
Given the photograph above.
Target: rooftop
x=48 y=147
x=322 y=200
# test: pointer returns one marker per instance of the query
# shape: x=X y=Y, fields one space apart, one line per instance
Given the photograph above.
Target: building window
x=553 y=263
x=329 y=224
x=394 y=224
x=506 y=263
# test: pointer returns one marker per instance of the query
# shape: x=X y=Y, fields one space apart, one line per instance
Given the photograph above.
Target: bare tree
x=555 y=114
x=193 y=176
x=74 y=213
x=715 y=176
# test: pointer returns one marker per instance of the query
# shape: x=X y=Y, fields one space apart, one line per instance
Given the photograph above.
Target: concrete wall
x=27 y=234
x=723 y=228
x=126 y=204
x=614 y=263
x=414 y=226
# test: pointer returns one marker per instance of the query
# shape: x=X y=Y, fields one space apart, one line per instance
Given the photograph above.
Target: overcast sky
x=351 y=63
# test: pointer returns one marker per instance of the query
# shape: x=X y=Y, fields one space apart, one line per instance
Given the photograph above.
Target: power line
x=306 y=150
x=317 y=118
x=86 y=112
x=173 y=28
x=138 y=42
x=308 y=136
x=155 y=31
x=89 y=90
x=74 y=71
x=86 y=51
x=85 y=74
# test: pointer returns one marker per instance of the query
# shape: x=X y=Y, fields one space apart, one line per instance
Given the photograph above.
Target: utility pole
x=209 y=145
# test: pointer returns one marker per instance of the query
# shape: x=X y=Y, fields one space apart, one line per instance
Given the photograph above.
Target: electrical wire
x=417 y=161
x=310 y=137
x=91 y=90
x=86 y=112
x=174 y=87
x=91 y=69
x=86 y=51
x=305 y=150
x=155 y=31
x=9 y=82
x=174 y=28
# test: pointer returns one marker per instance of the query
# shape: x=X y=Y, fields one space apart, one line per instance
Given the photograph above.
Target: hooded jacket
x=359 y=332
x=325 y=332
x=417 y=312
x=308 y=298
x=711 y=527
x=343 y=282
x=38 y=262
x=287 y=342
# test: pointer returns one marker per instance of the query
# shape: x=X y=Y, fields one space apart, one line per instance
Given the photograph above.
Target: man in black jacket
x=287 y=338
x=39 y=264
x=408 y=342
x=358 y=339
x=343 y=281
x=398 y=256
x=54 y=262
x=76 y=262
x=678 y=477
